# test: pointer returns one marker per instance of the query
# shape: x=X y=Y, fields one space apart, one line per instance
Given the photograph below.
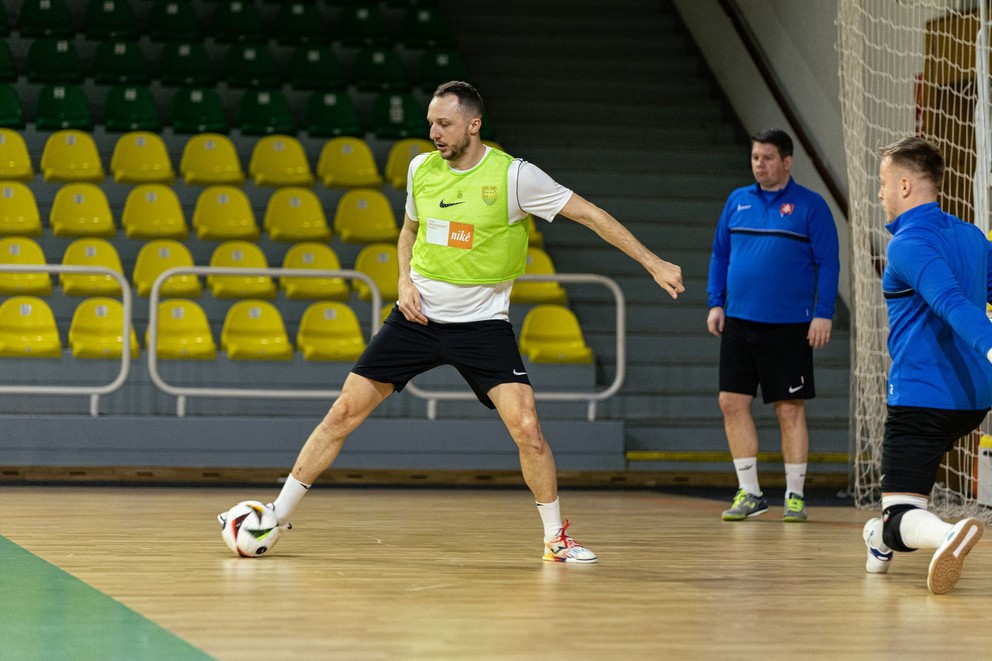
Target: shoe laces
x=563 y=539
x=740 y=497
x=795 y=503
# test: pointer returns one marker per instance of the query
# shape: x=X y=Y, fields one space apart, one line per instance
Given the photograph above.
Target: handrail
x=266 y=393
x=592 y=398
x=94 y=392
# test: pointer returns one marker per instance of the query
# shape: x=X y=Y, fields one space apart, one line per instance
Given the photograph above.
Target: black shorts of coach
x=485 y=353
x=776 y=356
x=915 y=441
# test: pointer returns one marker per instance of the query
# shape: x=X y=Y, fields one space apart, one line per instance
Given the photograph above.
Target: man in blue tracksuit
x=772 y=286
x=936 y=285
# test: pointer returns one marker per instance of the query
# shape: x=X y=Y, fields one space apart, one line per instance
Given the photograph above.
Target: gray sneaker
x=795 y=509
x=746 y=505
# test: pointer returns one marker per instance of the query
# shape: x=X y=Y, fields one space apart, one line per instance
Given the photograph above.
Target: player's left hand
x=669 y=276
x=819 y=332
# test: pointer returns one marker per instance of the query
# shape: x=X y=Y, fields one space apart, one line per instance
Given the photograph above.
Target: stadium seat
x=330 y=331
x=379 y=262
x=183 y=332
x=210 y=158
x=379 y=69
x=158 y=256
x=53 y=60
x=96 y=330
x=315 y=66
x=365 y=215
x=313 y=255
x=300 y=22
x=348 y=162
x=8 y=65
x=396 y=116
x=28 y=330
x=436 y=66
x=62 y=106
x=15 y=163
x=152 y=211
x=45 y=18
x=120 y=62
x=237 y=20
x=251 y=65
x=279 y=160
x=240 y=254
x=81 y=209
x=295 y=214
x=223 y=213
x=538 y=263
x=71 y=155
x=185 y=63
x=331 y=115
x=264 y=112
x=18 y=210
x=363 y=25
x=254 y=330
x=91 y=252
x=173 y=20
x=400 y=155
x=110 y=19
x=551 y=334
x=140 y=157
x=24 y=251
x=198 y=110
x=425 y=27
x=130 y=108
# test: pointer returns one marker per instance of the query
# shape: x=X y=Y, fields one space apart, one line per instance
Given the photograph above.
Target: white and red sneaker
x=565 y=549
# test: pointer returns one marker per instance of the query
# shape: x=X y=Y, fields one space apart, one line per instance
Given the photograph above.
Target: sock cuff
x=552 y=503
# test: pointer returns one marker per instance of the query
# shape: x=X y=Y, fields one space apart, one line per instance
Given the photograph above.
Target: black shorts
x=915 y=440
x=485 y=353
x=777 y=356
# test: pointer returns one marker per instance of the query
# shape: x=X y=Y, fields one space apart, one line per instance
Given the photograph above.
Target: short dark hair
x=777 y=137
x=468 y=97
x=918 y=155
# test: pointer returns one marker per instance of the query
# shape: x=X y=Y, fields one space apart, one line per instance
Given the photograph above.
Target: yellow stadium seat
x=183 y=332
x=538 y=263
x=95 y=331
x=551 y=334
x=140 y=157
x=240 y=254
x=90 y=252
x=22 y=250
x=279 y=160
x=158 y=256
x=364 y=215
x=534 y=237
x=295 y=214
x=28 y=330
x=254 y=330
x=313 y=255
x=71 y=155
x=330 y=331
x=210 y=158
x=223 y=213
x=378 y=261
x=81 y=209
x=493 y=144
x=347 y=162
x=152 y=211
x=400 y=155
x=15 y=163
x=18 y=210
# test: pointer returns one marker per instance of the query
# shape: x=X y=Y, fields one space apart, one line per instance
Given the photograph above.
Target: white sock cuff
x=292 y=480
x=904 y=499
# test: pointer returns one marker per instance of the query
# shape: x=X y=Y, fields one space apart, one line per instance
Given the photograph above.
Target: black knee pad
x=891 y=516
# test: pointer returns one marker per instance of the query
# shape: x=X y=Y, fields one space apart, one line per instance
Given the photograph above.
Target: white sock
x=551 y=518
x=290 y=496
x=747 y=474
x=795 y=479
x=921 y=529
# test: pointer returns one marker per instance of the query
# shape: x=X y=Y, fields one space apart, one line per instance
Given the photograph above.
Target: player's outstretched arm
x=584 y=212
x=409 y=296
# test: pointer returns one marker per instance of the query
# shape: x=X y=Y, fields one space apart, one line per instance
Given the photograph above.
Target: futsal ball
x=250 y=528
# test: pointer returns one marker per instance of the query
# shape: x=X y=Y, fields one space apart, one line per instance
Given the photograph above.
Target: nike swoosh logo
x=516 y=373
x=450 y=204
x=793 y=389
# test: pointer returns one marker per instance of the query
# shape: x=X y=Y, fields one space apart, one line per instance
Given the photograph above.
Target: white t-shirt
x=529 y=191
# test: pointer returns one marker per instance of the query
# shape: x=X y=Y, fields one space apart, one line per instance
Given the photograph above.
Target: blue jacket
x=775 y=256
x=936 y=284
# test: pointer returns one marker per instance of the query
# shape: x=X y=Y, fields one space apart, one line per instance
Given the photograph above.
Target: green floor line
x=46 y=613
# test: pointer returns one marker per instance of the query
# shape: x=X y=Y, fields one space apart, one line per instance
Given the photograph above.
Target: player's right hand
x=715 y=321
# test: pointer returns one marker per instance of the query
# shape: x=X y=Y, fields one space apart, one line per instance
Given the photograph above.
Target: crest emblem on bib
x=489 y=195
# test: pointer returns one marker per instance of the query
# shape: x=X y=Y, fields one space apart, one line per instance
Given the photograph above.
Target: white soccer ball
x=250 y=528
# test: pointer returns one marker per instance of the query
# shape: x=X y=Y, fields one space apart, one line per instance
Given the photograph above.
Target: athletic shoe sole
x=945 y=568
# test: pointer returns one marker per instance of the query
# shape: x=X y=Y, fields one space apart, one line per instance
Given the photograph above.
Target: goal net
x=908 y=67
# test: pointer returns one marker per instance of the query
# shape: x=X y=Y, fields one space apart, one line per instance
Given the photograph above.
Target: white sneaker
x=878 y=560
x=945 y=567
x=565 y=549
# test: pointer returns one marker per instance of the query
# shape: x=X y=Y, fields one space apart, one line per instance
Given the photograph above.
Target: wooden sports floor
x=141 y=573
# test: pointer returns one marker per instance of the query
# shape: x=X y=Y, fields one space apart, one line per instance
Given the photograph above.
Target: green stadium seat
x=251 y=65
x=173 y=20
x=110 y=19
x=8 y=66
x=300 y=22
x=198 y=110
x=363 y=25
x=377 y=69
x=120 y=62
x=331 y=114
x=53 y=59
x=237 y=20
x=63 y=106
x=396 y=116
x=425 y=27
x=45 y=18
x=185 y=64
x=11 y=111
x=131 y=108
x=315 y=66
x=436 y=66
x=265 y=111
